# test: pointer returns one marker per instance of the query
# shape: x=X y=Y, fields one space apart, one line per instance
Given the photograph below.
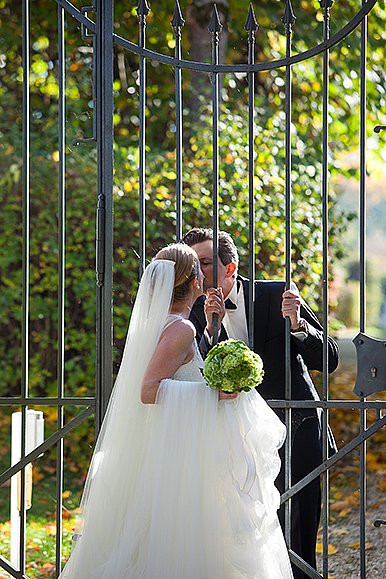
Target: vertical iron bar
x=289 y=20
x=94 y=79
x=104 y=125
x=251 y=25
x=362 y=284
x=25 y=266
x=178 y=142
x=61 y=282
x=142 y=11
x=177 y=23
x=215 y=28
x=326 y=5
x=288 y=412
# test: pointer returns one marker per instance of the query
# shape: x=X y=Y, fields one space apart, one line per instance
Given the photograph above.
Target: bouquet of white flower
x=231 y=366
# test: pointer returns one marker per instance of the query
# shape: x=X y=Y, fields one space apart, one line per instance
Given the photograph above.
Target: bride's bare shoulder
x=180 y=330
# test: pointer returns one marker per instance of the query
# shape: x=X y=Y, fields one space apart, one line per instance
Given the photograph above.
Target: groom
x=272 y=303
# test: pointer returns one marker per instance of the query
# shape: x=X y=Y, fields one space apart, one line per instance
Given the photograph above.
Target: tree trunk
x=198 y=15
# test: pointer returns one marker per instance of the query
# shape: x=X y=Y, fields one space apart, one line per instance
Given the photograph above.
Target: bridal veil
x=123 y=436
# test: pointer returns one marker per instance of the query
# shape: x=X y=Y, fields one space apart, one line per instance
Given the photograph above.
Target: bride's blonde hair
x=186 y=267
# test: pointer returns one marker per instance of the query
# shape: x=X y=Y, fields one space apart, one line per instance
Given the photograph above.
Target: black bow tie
x=229 y=305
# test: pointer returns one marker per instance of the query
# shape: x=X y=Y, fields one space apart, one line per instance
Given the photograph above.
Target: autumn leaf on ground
x=356 y=546
x=331 y=549
x=344 y=512
x=340 y=505
x=339 y=531
x=382 y=484
x=47 y=570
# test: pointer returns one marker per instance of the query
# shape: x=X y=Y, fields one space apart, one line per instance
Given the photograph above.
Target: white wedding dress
x=193 y=497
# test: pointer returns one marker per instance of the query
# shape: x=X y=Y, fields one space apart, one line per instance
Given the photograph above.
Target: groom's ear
x=230 y=269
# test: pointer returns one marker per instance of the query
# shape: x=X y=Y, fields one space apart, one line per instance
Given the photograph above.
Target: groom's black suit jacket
x=269 y=342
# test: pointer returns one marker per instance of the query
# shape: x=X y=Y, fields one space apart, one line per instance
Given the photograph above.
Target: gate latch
x=371 y=365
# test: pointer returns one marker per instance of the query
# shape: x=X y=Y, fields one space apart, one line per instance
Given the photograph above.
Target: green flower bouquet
x=231 y=366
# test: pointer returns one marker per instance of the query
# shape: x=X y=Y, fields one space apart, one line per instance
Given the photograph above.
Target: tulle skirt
x=199 y=502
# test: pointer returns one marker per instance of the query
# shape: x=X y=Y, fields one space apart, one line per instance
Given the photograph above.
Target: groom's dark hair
x=227 y=250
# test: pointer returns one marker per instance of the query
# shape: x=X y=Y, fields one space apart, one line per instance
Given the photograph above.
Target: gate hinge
x=100 y=240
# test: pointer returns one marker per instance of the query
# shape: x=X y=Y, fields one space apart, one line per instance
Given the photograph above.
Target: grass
x=41 y=528
x=40 y=545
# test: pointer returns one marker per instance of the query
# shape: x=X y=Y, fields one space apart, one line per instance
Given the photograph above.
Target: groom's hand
x=214 y=304
x=290 y=307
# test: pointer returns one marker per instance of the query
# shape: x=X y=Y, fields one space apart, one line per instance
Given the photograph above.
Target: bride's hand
x=226 y=395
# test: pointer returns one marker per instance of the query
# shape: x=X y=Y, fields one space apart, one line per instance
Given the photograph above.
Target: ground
x=344 y=531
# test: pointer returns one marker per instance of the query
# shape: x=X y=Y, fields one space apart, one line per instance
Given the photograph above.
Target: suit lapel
x=261 y=313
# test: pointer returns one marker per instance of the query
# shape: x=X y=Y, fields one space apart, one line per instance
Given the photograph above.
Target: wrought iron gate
x=371 y=357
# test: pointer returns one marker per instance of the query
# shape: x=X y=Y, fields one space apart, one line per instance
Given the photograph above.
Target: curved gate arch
x=103 y=37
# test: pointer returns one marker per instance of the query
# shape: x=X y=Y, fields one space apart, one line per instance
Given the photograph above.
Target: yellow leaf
x=127 y=186
x=331 y=549
x=55 y=156
x=356 y=546
x=344 y=512
x=382 y=484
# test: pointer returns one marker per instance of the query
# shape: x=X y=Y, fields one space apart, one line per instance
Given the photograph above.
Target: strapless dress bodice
x=191 y=371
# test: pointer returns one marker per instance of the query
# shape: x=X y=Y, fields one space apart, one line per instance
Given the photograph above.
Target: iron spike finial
x=177 y=20
x=143 y=8
x=326 y=3
x=288 y=17
x=215 y=25
x=251 y=24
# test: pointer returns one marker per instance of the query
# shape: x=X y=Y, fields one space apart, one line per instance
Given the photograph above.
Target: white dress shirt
x=235 y=320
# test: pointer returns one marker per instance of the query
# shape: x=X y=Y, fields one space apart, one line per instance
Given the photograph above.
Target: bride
x=181 y=483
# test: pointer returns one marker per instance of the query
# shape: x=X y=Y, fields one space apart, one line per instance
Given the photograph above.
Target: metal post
x=326 y=5
x=104 y=125
x=142 y=11
x=61 y=283
x=177 y=23
x=25 y=266
x=362 y=286
x=288 y=20
x=215 y=28
x=251 y=26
